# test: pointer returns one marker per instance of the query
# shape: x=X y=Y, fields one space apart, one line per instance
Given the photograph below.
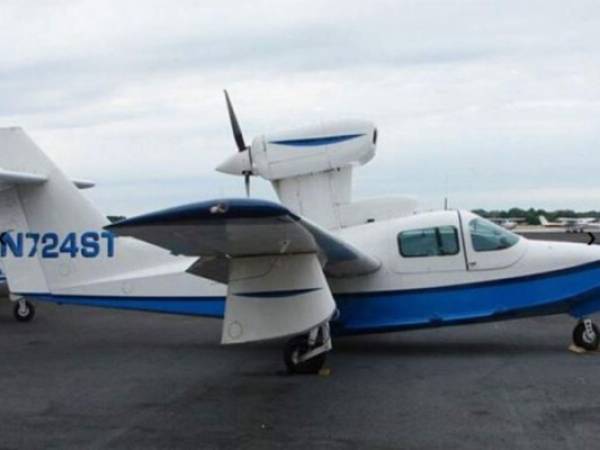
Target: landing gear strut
x=586 y=336
x=306 y=354
x=23 y=310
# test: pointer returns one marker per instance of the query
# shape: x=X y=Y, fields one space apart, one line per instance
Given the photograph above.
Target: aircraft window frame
x=497 y=232
x=440 y=252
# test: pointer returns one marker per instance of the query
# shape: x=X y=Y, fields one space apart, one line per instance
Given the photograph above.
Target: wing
x=220 y=230
x=273 y=261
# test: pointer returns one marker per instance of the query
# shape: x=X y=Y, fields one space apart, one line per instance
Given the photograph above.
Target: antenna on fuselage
x=446 y=192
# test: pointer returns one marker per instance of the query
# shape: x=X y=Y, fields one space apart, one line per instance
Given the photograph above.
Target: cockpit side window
x=487 y=236
x=438 y=241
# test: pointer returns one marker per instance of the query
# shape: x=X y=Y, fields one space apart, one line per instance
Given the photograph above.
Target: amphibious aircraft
x=572 y=224
x=314 y=265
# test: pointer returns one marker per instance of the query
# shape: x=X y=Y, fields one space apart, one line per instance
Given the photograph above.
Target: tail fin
x=543 y=221
x=52 y=235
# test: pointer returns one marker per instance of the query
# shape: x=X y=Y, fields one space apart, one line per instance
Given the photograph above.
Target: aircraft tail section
x=22 y=274
x=544 y=221
x=52 y=236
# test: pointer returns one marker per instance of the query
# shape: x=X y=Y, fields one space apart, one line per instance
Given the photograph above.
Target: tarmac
x=82 y=378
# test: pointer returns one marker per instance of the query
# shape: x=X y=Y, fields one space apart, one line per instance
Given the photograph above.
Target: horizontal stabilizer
x=84 y=184
x=17 y=177
x=234 y=228
x=14 y=177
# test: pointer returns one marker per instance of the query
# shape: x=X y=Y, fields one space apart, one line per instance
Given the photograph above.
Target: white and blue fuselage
x=441 y=268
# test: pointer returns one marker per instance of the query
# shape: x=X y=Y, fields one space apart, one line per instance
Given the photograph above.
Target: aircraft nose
x=553 y=255
x=584 y=253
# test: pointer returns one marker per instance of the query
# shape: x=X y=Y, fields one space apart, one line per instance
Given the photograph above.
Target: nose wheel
x=23 y=311
x=586 y=336
x=306 y=354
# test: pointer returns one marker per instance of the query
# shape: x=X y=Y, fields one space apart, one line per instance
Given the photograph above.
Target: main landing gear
x=586 y=336
x=306 y=353
x=23 y=310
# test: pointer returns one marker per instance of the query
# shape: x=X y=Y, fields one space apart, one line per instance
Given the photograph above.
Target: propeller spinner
x=240 y=163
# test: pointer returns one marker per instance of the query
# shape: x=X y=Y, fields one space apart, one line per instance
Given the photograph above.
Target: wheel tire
x=581 y=339
x=26 y=314
x=310 y=366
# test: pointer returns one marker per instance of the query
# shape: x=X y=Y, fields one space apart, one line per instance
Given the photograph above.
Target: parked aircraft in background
x=315 y=265
x=507 y=223
x=572 y=224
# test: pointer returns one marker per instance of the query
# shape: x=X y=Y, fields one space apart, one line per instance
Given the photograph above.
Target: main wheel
x=583 y=339
x=297 y=346
x=24 y=311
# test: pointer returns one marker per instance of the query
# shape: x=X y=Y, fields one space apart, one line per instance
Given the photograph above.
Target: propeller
x=239 y=140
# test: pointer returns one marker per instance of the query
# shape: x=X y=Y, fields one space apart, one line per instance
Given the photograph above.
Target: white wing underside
x=273 y=262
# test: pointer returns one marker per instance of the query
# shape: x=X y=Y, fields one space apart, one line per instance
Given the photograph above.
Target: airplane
x=314 y=266
x=571 y=224
x=509 y=224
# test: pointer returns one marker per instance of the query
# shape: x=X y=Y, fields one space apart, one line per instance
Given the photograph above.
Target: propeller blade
x=247 y=183
x=235 y=126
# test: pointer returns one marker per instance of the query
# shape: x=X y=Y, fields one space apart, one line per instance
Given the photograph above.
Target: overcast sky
x=494 y=103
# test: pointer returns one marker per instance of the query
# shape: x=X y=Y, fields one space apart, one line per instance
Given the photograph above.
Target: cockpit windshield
x=487 y=236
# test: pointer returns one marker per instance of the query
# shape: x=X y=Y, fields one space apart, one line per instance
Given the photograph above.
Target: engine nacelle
x=309 y=150
x=314 y=149
x=310 y=169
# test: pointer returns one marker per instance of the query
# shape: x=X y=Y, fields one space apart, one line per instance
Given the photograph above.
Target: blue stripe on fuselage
x=194 y=306
x=575 y=290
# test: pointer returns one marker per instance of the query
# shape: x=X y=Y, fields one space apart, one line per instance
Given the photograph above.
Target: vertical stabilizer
x=53 y=235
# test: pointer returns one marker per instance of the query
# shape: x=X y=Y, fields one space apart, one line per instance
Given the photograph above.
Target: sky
x=492 y=103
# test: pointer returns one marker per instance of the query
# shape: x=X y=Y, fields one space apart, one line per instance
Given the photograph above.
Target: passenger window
x=487 y=236
x=439 y=241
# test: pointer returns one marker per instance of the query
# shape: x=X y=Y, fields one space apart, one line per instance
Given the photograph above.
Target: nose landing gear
x=306 y=354
x=586 y=335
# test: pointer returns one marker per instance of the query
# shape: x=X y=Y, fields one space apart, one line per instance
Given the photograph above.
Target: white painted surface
x=258 y=317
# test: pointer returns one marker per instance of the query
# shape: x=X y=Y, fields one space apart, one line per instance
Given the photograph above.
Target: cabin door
x=489 y=246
